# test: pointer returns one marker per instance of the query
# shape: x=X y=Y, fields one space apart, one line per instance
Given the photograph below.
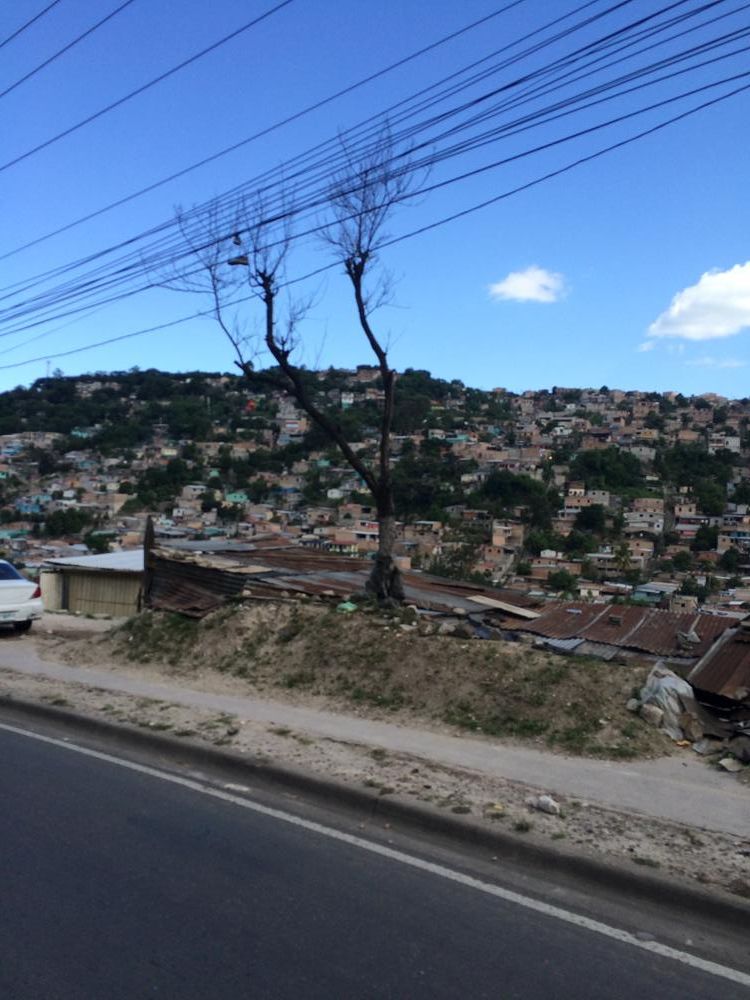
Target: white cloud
x=647 y=345
x=535 y=284
x=717 y=306
x=709 y=362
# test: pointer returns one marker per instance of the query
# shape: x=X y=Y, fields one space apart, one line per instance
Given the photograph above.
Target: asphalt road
x=677 y=788
x=116 y=884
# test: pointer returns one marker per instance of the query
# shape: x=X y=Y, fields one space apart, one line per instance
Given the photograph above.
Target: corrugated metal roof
x=563 y=645
x=277 y=552
x=648 y=630
x=615 y=625
x=725 y=671
x=187 y=587
x=212 y=545
x=267 y=571
x=565 y=621
x=126 y=561
x=659 y=632
x=455 y=587
x=489 y=602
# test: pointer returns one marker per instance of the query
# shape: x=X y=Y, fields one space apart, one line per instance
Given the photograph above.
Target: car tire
x=22 y=626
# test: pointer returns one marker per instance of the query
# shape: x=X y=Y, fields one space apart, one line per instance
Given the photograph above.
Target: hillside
x=588 y=492
x=383 y=667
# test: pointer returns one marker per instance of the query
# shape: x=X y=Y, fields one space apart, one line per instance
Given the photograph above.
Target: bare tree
x=362 y=198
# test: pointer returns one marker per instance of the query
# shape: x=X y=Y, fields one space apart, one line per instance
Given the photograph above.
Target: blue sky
x=631 y=270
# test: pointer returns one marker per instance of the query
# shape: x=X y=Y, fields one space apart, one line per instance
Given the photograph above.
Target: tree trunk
x=385 y=582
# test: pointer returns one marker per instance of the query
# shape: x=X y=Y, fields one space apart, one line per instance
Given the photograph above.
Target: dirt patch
x=386 y=667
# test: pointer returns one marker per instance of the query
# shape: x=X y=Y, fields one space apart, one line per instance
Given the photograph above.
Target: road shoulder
x=484 y=808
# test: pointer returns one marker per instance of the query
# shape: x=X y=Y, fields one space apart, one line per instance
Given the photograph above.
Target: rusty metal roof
x=195 y=583
x=615 y=625
x=188 y=588
x=648 y=630
x=565 y=621
x=277 y=552
x=725 y=671
x=659 y=632
x=458 y=589
x=191 y=573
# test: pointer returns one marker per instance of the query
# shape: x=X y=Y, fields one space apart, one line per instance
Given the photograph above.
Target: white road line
x=664 y=951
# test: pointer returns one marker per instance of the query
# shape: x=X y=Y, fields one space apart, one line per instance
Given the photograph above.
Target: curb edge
x=598 y=872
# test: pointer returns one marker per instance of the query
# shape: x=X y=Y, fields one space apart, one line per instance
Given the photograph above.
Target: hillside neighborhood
x=600 y=539
x=599 y=495
x=375 y=566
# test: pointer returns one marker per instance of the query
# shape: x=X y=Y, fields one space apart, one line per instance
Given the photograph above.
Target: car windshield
x=8 y=572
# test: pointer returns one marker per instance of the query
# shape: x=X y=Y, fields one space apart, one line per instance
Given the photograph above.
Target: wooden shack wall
x=116 y=594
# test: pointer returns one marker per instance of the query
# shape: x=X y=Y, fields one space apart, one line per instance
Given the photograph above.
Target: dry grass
x=311 y=653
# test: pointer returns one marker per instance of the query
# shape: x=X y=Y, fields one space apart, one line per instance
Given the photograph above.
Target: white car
x=20 y=599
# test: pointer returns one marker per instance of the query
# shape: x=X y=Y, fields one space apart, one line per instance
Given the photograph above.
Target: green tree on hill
x=592 y=519
x=70 y=521
x=705 y=539
x=96 y=543
x=562 y=580
x=730 y=560
x=686 y=465
x=607 y=469
x=682 y=561
x=502 y=491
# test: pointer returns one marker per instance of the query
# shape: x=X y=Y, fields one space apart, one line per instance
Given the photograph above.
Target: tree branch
x=300 y=392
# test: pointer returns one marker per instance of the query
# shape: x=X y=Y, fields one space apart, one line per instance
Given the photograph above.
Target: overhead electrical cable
x=583 y=132
x=587 y=22
x=570 y=166
x=294 y=117
x=65 y=48
x=55 y=329
x=109 y=279
x=264 y=132
x=554 y=113
x=457 y=178
x=334 y=142
x=405 y=236
x=146 y=86
x=199 y=209
x=630 y=88
x=375 y=121
x=440 y=184
x=436 y=158
x=28 y=23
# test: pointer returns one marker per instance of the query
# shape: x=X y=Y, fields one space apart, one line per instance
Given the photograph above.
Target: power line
x=303 y=159
x=65 y=48
x=461 y=177
x=550 y=24
x=124 y=271
x=104 y=343
x=55 y=329
x=521 y=125
x=28 y=23
x=564 y=109
x=560 y=170
x=170 y=223
x=264 y=132
x=406 y=236
x=587 y=131
x=378 y=124
x=144 y=87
